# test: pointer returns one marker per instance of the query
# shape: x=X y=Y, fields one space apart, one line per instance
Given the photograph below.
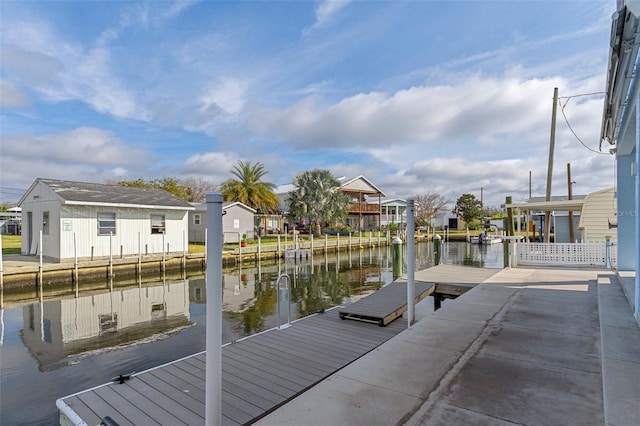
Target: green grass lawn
x=11 y=244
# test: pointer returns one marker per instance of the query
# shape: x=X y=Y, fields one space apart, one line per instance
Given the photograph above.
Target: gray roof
x=202 y=207
x=92 y=193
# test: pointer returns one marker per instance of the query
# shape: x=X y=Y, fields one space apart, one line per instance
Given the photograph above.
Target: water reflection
x=57 y=329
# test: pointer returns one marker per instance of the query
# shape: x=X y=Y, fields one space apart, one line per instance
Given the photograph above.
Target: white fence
x=566 y=254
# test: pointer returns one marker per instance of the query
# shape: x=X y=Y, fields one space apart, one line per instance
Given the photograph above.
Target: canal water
x=58 y=343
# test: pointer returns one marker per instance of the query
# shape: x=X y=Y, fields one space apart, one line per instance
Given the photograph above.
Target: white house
x=393 y=211
x=446 y=220
x=237 y=220
x=620 y=136
x=93 y=220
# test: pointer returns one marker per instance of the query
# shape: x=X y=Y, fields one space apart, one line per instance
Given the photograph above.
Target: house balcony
x=358 y=208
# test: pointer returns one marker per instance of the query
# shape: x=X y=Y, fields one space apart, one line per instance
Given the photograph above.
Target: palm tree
x=317 y=197
x=249 y=188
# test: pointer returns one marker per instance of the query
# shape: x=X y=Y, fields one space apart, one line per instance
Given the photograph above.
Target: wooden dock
x=386 y=304
x=259 y=373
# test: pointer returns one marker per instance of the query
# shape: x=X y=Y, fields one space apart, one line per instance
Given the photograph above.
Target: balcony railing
x=364 y=208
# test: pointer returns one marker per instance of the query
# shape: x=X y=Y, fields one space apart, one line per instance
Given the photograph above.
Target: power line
x=566 y=120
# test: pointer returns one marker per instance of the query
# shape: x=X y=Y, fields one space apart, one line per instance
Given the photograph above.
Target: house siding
x=132 y=225
x=237 y=221
x=599 y=207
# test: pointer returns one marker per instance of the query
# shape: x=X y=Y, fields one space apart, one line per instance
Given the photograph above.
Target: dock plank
x=187 y=408
x=124 y=407
x=145 y=404
x=103 y=409
x=83 y=410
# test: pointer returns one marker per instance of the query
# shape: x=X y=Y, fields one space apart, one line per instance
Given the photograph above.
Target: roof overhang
x=619 y=101
x=563 y=205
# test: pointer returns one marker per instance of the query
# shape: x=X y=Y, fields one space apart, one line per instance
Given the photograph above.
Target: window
x=157 y=224
x=106 y=223
x=45 y=223
x=196 y=219
x=108 y=323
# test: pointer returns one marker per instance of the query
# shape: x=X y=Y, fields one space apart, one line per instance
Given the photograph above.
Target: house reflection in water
x=57 y=329
x=238 y=291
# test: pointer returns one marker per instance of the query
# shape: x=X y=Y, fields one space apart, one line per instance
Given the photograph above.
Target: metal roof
x=84 y=193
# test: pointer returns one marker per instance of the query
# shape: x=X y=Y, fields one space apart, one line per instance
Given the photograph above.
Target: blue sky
x=417 y=96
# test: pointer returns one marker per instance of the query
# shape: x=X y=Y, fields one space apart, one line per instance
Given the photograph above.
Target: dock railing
x=598 y=254
x=288 y=294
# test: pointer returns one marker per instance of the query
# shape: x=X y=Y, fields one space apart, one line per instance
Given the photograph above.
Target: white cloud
x=41 y=59
x=471 y=109
x=214 y=166
x=89 y=146
x=228 y=94
x=325 y=13
x=12 y=97
x=80 y=154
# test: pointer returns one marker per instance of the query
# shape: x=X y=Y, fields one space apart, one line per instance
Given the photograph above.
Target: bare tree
x=427 y=207
x=198 y=188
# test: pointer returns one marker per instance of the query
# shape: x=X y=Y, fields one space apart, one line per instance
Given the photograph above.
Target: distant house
x=10 y=221
x=560 y=225
x=238 y=220
x=393 y=211
x=104 y=220
x=364 y=213
x=560 y=206
x=447 y=220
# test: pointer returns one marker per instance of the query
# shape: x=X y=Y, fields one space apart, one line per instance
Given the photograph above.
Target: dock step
x=386 y=304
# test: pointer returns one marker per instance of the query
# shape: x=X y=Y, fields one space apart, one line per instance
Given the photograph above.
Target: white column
x=637 y=209
x=213 y=375
x=411 y=285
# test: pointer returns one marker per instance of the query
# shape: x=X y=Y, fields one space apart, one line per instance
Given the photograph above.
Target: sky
x=445 y=97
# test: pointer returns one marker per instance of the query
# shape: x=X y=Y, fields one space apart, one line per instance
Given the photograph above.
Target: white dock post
x=110 y=253
x=411 y=242
x=75 y=261
x=213 y=366
x=40 y=278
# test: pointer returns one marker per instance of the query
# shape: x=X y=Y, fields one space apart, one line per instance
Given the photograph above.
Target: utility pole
x=572 y=238
x=552 y=143
x=529 y=184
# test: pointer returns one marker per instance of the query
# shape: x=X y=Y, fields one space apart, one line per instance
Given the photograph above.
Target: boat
x=484 y=238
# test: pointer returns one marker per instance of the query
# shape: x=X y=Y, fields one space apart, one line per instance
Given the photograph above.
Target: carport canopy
x=559 y=205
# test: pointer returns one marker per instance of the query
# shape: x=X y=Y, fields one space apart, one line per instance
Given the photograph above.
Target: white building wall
x=133 y=232
x=41 y=199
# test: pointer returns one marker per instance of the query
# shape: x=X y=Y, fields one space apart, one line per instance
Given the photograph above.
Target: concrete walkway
x=527 y=346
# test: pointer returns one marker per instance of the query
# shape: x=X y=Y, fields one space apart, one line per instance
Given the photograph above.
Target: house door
x=29 y=230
